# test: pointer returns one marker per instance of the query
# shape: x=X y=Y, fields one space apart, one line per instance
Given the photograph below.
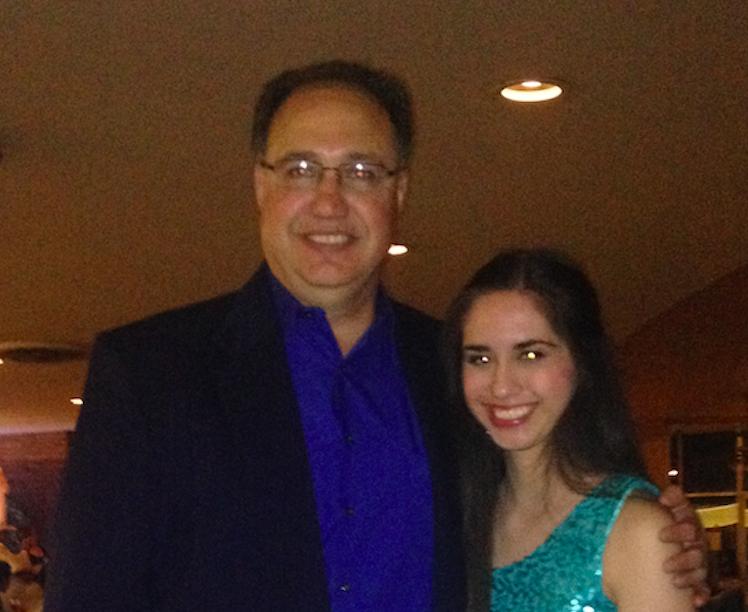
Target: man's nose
x=328 y=194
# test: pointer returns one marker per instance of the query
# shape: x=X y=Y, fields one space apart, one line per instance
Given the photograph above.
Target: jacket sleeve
x=103 y=540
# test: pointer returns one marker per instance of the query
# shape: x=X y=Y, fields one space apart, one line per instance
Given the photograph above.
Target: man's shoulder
x=194 y=321
x=408 y=316
x=172 y=345
x=416 y=328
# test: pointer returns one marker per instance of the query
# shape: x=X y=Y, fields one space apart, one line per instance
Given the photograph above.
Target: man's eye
x=531 y=355
x=300 y=170
x=362 y=172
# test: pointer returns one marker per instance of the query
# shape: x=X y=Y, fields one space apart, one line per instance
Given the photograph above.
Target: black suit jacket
x=188 y=485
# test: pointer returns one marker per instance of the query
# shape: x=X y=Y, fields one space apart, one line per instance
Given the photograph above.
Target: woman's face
x=518 y=375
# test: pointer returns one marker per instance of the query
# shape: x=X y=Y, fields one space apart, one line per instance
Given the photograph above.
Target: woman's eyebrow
x=528 y=343
x=476 y=348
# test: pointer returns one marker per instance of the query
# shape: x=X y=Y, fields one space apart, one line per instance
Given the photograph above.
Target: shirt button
x=350 y=512
x=345 y=587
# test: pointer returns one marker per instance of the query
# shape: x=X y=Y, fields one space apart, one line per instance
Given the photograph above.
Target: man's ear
x=260 y=178
x=403 y=178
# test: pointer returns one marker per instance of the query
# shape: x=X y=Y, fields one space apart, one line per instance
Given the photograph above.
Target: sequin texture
x=564 y=574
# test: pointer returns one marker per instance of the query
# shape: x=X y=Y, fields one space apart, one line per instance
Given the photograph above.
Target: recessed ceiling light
x=532 y=90
x=397 y=249
x=76 y=401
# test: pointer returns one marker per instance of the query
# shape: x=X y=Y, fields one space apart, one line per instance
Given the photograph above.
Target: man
x=281 y=448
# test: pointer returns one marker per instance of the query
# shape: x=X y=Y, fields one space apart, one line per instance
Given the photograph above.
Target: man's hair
x=594 y=435
x=387 y=90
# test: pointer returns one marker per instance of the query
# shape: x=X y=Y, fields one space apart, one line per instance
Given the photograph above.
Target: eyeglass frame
x=388 y=173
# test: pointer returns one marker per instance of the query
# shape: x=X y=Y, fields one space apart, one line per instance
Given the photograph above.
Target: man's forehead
x=331 y=115
x=321 y=96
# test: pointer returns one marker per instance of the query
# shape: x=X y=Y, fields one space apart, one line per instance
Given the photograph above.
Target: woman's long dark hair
x=595 y=435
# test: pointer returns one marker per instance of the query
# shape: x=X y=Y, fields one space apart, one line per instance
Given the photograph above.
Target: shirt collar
x=290 y=310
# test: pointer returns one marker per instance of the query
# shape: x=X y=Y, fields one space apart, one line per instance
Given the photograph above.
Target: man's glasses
x=306 y=174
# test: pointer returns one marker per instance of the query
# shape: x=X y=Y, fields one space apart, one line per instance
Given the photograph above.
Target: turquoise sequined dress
x=564 y=574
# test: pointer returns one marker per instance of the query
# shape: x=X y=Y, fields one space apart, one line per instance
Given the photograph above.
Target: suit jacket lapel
x=418 y=348
x=257 y=398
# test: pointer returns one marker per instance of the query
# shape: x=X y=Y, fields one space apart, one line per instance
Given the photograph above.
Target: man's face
x=328 y=240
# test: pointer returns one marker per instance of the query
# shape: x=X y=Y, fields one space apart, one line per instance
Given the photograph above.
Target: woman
x=559 y=514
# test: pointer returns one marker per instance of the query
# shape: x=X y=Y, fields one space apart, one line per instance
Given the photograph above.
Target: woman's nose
x=505 y=380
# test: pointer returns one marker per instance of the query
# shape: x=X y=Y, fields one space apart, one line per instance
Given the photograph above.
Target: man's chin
x=339 y=281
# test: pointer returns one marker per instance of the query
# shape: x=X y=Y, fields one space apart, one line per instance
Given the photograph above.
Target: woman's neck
x=533 y=500
x=529 y=473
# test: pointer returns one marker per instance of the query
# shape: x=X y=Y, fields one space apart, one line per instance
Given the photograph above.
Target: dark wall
x=688 y=367
x=33 y=464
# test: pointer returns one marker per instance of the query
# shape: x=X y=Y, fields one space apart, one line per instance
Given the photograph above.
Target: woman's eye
x=531 y=355
x=476 y=359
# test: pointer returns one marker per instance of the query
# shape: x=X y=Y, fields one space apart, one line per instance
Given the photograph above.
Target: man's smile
x=329 y=239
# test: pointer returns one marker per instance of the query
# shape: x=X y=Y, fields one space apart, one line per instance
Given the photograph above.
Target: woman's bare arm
x=634 y=575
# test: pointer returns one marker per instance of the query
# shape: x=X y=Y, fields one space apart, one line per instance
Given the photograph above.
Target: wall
x=33 y=464
x=689 y=367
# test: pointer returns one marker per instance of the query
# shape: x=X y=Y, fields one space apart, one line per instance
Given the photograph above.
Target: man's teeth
x=329 y=238
x=510 y=414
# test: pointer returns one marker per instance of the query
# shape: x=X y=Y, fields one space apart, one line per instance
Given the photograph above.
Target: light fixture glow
x=397 y=249
x=672 y=473
x=531 y=91
x=76 y=401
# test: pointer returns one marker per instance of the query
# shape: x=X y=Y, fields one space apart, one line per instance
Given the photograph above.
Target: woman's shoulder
x=634 y=557
x=635 y=531
x=640 y=517
x=623 y=487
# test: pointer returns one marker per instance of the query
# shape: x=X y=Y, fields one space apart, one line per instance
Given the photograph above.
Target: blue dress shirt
x=369 y=465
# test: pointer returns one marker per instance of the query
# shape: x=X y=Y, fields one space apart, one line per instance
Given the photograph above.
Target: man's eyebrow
x=315 y=157
x=299 y=155
x=356 y=156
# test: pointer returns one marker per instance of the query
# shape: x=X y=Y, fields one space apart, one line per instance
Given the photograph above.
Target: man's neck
x=350 y=322
x=349 y=310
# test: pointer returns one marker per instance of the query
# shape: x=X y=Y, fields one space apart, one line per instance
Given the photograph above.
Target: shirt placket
x=340 y=401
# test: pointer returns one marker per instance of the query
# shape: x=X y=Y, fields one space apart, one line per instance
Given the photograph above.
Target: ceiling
x=125 y=172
